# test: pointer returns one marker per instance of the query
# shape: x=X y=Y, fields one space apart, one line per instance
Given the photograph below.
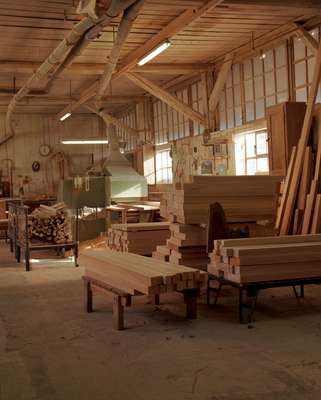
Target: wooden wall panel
x=34 y=130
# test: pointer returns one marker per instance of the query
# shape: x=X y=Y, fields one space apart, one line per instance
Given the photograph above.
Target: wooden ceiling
x=30 y=30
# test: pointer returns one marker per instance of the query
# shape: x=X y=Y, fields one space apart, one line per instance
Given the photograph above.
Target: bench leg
x=18 y=254
x=27 y=260
x=190 y=298
x=118 y=313
x=88 y=298
x=155 y=299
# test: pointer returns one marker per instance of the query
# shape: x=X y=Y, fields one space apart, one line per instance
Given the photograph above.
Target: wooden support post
x=190 y=298
x=118 y=313
x=88 y=297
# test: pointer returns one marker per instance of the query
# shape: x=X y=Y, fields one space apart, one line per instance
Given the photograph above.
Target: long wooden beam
x=97 y=69
x=109 y=119
x=167 y=98
x=174 y=27
x=220 y=83
x=308 y=38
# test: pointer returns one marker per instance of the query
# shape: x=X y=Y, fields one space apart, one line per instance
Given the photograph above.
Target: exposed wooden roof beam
x=167 y=98
x=64 y=51
x=174 y=27
x=109 y=119
x=220 y=83
x=97 y=69
x=309 y=40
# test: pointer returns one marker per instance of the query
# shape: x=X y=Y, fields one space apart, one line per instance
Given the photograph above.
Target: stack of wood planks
x=186 y=246
x=50 y=224
x=300 y=206
x=133 y=273
x=266 y=258
x=139 y=238
x=243 y=198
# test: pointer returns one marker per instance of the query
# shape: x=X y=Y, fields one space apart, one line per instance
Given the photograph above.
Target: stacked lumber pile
x=243 y=198
x=140 y=238
x=50 y=224
x=186 y=246
x=266 y=258
x=133 y=273
x=300 y=206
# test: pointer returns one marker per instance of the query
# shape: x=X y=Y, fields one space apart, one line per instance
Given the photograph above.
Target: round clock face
x=44 y=150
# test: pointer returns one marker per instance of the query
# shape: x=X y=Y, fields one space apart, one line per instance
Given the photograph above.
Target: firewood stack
x=266 y=258
x=186 y=246
x=50 y=224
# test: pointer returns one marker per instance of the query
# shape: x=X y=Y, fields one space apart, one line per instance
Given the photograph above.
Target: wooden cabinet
x=284 y=124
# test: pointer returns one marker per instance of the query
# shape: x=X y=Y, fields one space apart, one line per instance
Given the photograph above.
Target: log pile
x=133 y=273
x=186 y=246
x=266 y=258
x=50 y=224
x=140 y=238
x=243 y=198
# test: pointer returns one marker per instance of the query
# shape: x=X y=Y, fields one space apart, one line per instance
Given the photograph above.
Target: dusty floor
x=51 y=350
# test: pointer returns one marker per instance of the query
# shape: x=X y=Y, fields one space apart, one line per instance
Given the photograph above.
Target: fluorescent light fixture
x=67 y=115
x=84 y=141
x=154 y=53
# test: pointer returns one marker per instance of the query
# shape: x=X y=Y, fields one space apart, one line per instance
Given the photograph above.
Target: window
x=163 y=166
x=251 y=153
x=253 y=85
x=304 y=61
x=230 y=105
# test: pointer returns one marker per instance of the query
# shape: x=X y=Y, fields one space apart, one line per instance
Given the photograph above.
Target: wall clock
x=44 y=150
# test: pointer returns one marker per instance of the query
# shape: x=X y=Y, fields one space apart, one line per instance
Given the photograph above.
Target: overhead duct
x=80 y=36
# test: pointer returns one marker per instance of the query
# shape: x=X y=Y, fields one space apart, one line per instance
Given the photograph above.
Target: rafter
x=309 y=39
x=220 y=83
x=174 y=27
x=109 y=119
x=167 y=98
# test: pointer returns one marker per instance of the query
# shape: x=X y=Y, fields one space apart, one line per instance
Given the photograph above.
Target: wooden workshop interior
x=158 y=155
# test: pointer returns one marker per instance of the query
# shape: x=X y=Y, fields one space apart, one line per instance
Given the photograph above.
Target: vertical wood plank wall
x=34 y=130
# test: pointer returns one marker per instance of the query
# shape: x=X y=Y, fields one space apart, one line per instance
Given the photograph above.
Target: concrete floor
x=50 y=349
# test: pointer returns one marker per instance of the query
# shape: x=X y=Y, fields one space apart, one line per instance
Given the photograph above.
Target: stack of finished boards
x=243 y=198
x=186 y=246
x=140 y=238
x=136 y=274
x=267 y=258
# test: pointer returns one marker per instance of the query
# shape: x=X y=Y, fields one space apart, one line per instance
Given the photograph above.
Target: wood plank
x=299 y=158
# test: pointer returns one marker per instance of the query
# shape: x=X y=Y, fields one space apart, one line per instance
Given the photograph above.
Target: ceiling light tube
x=84 y=141
x=67 y=115
x=154 y=53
